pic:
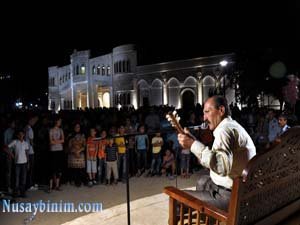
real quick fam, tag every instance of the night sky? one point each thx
(37, 39)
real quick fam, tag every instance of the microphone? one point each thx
(202, 126)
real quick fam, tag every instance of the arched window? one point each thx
(115, 68)
(209, 85)
(98, 70)
(103, 70)
(108, 70)
(94, 70)
(77, 70)
(69, 75)
(82, 69)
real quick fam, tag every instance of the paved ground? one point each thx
(146, 201)
(109, 196)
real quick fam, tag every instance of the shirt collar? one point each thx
(225, 120)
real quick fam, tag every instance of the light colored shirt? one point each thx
(284, 129)
(55, 135)
(19, 148)
(230, 152)
(156, 140)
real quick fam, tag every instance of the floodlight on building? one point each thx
(223, 63)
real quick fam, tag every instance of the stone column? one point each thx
(74, 97)
(62, 103)
(165, 92)
(88, 95)
(135, 94)
(200, 88)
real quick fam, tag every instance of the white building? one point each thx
(115, 79)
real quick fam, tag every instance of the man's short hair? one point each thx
(283, 116)
(221, 101)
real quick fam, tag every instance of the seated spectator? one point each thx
(168, 165)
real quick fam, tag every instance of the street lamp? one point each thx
(223, 63)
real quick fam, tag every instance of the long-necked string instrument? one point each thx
(174, 119)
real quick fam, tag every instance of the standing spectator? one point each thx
(141, 146)
(20, 150)
(120, 142)
(101, 156)
(111, 161)
(57, 138)
(157, 143)
(29, 136)
(76, 159)
(92, 147)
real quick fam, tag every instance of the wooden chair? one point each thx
(266, 193)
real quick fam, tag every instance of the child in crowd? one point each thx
(157, 143)
(168, 165)
(21, 150)
(121, 144)
(101, 156)
(111, 151)
(141, 147)
(91, 157)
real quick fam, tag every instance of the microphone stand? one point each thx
(127, 187)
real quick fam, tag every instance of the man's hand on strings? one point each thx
(186, 140)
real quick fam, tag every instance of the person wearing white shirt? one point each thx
(29, 136)
(20, 149)
(231, 150)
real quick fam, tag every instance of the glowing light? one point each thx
(223, 63)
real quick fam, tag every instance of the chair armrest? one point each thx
(196, 203)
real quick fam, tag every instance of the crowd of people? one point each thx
(95, 146)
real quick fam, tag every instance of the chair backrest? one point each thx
(270, 181)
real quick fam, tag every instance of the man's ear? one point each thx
(222, 110)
